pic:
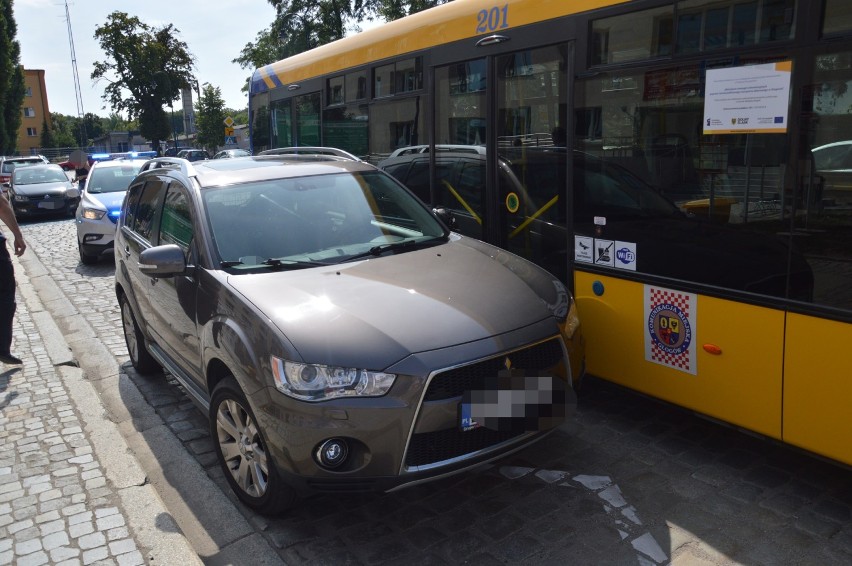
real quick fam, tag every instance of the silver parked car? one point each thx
(231, 153)
(40, 189)
(100, 204)
(337, 334)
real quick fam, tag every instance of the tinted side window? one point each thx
(471, 183)
(176, 223)
(128, 209)
(149, 202)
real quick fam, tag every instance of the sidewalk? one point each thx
(71, 491)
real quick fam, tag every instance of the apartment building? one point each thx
(35, 111)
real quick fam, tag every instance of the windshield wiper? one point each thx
(272, 262)
(280, 262)
(406, 245)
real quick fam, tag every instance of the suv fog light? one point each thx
(332, 453)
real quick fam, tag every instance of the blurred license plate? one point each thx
(515, 404)
(49, 204)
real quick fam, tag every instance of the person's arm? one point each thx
(7, 215)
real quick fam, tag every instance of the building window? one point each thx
(29, 112)
(32, 132)
(29, 91)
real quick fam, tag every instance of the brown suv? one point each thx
(337, 334)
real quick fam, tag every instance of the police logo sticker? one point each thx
(670, 328)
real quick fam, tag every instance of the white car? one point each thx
(100, 206)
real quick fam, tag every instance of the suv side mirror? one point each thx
(162, 261)
(446, 217)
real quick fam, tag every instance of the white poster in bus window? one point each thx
(583, 249)
(747, 100)
(670, 328)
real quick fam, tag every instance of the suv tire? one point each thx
(242, 452)
(141, 359)
(87, 259)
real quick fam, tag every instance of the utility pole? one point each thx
(77, 92)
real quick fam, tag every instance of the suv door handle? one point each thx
(126, 251)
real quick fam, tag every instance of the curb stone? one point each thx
(151, 524)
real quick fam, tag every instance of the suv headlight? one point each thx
(310, 382)
(93, 213)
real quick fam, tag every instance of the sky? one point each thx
(215, 32)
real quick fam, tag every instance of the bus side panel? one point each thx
(741, 385)
(818, 386)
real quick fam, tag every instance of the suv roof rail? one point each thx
(183, 165)
(310, 150)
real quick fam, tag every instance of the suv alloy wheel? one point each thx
(242, 451)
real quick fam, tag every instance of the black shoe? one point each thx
(10, 359)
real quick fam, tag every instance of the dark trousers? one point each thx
(7, 298)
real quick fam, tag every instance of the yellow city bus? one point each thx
(684, 166)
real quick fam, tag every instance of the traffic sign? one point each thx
(229, 121)
(230, 140)
(229, 131)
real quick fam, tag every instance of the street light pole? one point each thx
(174, 133)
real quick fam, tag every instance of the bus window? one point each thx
(307, 119)
(282, 124)
(823, 227)
(531, 107)
(395, 123)
(346, 127)
(733, 184)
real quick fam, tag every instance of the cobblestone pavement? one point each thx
(629, 481)
(55, 504)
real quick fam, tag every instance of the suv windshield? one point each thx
(112, 179)
(322, 219)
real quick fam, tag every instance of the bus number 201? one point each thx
(493, 19)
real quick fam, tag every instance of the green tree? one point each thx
(12, 88)
(301, 25)
(89, 128)
(239, 116)
(63, 129)
(390, 10)
(115, 123)
(47, 139)
(210, 118)
(151, 64)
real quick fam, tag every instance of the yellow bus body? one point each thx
(778, 373)
(437, 26)
(818, 386)
(742, 385)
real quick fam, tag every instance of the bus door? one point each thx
(531, 112)
(295, 121)
(817, 370)
(461, 130)
(679, 250)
